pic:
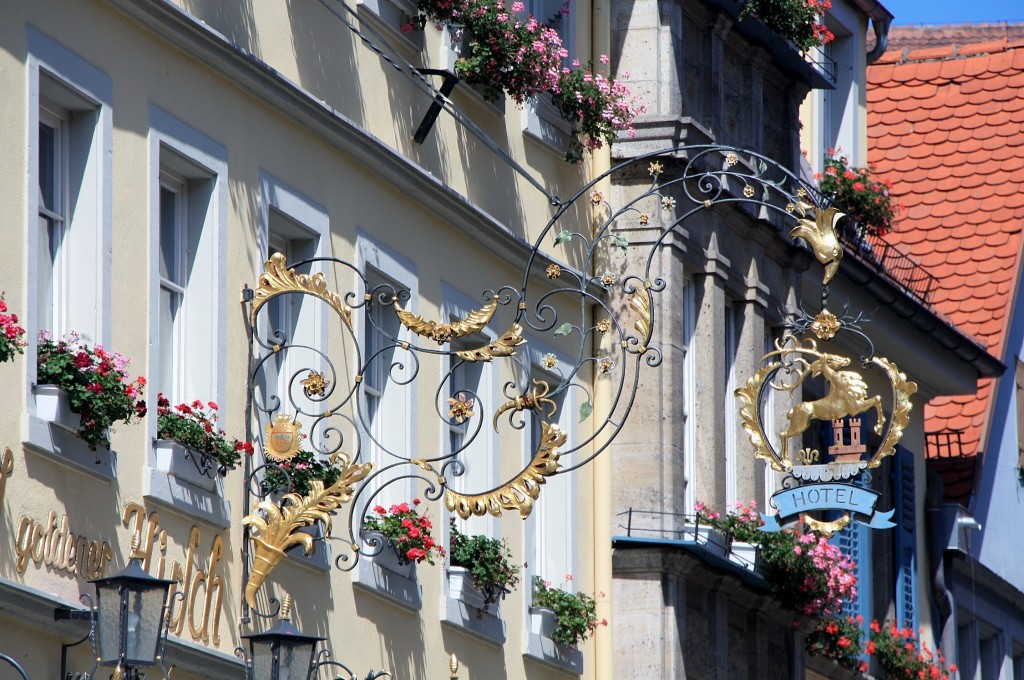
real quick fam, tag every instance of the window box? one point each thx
(464, 609)
(191, 467)
(381, 575)
(52, 406)
(710, 538)
(542, 648)
(745, 555)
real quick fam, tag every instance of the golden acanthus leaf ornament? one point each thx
(278, 279)
(505, 346)
(445, 332)
(274, 528)
(641, 305)
(520, 493)
(534, 400)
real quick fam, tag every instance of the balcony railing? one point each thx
(889, 260)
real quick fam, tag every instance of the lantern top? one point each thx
(283, 630)
(133, 572)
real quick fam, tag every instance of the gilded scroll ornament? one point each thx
(275, 528)
(820, 235)
(520, 493)
(505, 346)
(278, 279)
(445, 332)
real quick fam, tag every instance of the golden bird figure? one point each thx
(821, 236)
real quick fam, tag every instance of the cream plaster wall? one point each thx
(322, 56)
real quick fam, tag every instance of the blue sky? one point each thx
(954, 11)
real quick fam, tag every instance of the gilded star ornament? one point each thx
(553, 271)
(604, 325)
(748, 191)
(605, 365)
(655, 168)
(667, 203)
(549, 361)
(645, 219)
(596, 197)
(732, 159)
(461, 408)
(608, 279)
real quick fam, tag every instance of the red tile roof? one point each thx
(946, 125)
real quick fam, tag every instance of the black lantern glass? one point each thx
(130, 616)
(282, 653)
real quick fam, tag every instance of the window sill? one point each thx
(63, 446)
(463, 612)
(545, 126)
(541, 648)
(387, 16)
(382, 577)
(51, 429)
(176, 483)
(320, 559)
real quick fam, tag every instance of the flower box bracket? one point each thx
(447, 87)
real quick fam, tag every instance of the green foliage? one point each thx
(195, 426)
(796, 20)
(488, 562)
(302, 468)
(407, 530)
(576, 612)
(98, 388)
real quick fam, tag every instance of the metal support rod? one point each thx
(16, 665)
(450, 81)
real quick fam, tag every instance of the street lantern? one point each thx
(131, 608)
(283, 652)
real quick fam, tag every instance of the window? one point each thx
(551, 527)
(543, 122)
(689, 397)
(474, 439)
(69, 143)
(188, 213)
(731, 340)
(386, 434)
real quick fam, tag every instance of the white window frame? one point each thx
(731, 355)
(60, 84)
(541, 120)
(690, 402)
(312, 220)
(174, 284)
(482, 466)
(560, 490)
(373, 256)
(179, 152)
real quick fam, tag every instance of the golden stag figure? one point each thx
(847, 396)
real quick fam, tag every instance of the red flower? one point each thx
(82, 360)
(95, 388)
(379, 510)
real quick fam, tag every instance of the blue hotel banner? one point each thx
(791, 503)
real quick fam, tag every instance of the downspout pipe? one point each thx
(881, 20)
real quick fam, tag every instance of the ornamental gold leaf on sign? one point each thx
(519, 493)
(820, 234)
(641, 304)
(278, 279)
(444, 332)
(275, 528)
(505, 346)
(535, 400)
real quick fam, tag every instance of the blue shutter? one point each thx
(855, 541)
(906, 554)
